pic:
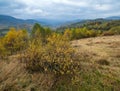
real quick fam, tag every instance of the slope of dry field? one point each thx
(101, 51)
(100, 69)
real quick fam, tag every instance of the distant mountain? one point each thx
(113, 18)
(53, 22)
(84, 21)
(11, 21)
(6, 20)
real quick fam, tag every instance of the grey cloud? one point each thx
(61, 9)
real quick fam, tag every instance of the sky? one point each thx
(60, 9)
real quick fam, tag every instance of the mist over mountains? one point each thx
(8, 21)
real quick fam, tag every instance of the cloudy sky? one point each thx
(60, 9)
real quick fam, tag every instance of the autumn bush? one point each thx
(15, 40)
(57, 56)
(115, 30)
(78, 33)
(3, 51)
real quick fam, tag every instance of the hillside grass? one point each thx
(99, 70)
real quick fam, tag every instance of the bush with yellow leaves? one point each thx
(15, 40)
(3, 51)
(57, 56)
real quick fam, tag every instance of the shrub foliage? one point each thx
(56, 56)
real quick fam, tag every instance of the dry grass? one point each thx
(14, 77)
(105, 49)
(100, 64)
(100, 46)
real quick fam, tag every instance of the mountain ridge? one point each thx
(9, 20)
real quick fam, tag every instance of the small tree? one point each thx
(68, 34)
(48, 32)
(38, 32)
(21, 41)
(10, 39)
(15, 40)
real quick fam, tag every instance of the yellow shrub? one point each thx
(57, 56)
(3, 50)
(15, 40)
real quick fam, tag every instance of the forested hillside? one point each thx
(98, 24)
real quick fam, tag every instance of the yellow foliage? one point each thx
(15, 40)
(11, 36)
(56, 56)
(78, 33)
(2, 50)
(68, 34)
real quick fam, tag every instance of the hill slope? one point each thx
(97, 24)
(100, 69)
